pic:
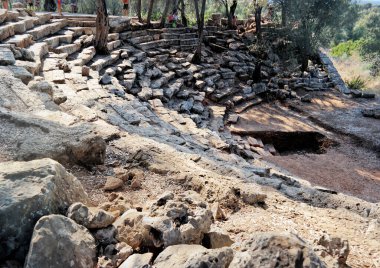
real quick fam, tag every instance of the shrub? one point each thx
(356, 83)
(346, 48)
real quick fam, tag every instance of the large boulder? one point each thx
(59, 242)
(171, 220)
(24, 137)
(30, 190)
(270, 250)
(193, 256)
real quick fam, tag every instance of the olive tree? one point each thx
(200, 15)
(310, 23)
(102, 27)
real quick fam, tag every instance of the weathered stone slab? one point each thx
(6, 56)
(30, 190)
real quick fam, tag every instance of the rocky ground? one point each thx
(142, 158)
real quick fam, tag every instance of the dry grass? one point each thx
(353, 66)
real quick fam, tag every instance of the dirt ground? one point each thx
(352, 166)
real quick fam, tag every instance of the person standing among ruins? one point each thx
(125, 8)
(59, 7)
(5, 4)
(30, 4)
(74, 6)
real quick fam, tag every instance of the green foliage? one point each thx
(356, 83)
(365, 38)
(346, 48)
(310, 23)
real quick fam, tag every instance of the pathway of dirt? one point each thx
(348, 167)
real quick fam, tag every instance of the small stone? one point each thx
(217, 239)
(113, 183)
(306, 98)
(106, 79)
(217, 212)
(85, 71)
(137, 261)
(136, 184)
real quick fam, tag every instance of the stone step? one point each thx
(188, 47)
(176, 30)
(6, 31)
(132, 34)
(153, 44)
(39, 50)
(74, 16)
(33, 67)
(20, 40)
(78, 31)
(56, 40)
(81, 23)
(188, 35)
(85, 56)
(140, 39)
(189, 42)
(99, 62)
(43, 18)
(6, 56)
(168, 36)
(19, 72)
(69, 49)
(113, 44)
(47, 29)
(20, 27)
(113, 37)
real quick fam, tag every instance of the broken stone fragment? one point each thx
(137, 261)
(89, 217)
(335, 247)
(217, 239)
(113, 183)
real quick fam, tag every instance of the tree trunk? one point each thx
(50, 5)
(183, 13)
(102, 27)
(232, 15)
(150, 10)
(258, 20)
(197, 58)
(228, 15)
(283, 15)
(256, 75)
(285, 7)
(138, 9)
(164, 13)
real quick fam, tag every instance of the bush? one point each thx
(356, 83)
(346, 48)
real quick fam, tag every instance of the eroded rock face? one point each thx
(30, 190)
(23, 137)
(336, 248)
(59, 242)
(171, 220)
(194, 256)
(89, 217)
(275, 250)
